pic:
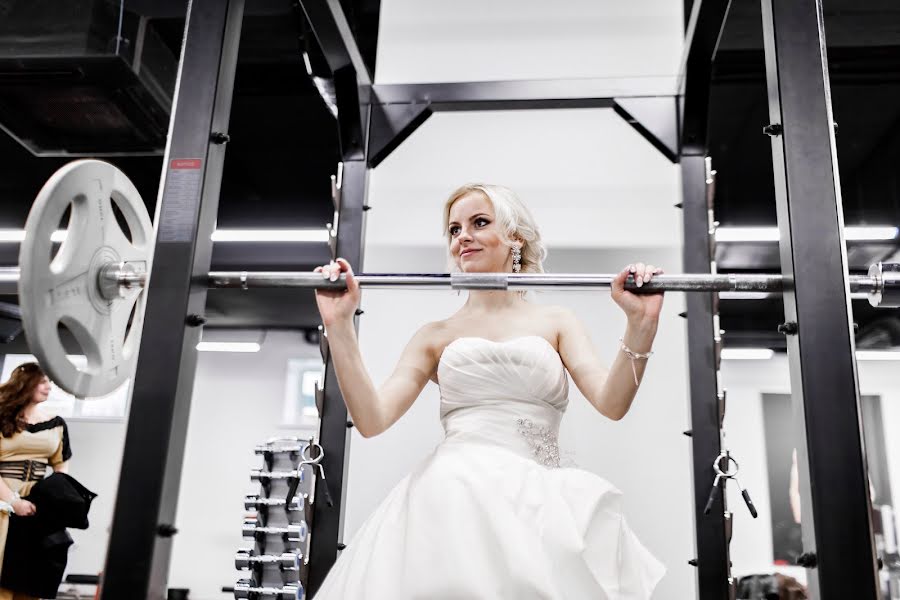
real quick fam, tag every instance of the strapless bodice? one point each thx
(510, 393)
(483, 502)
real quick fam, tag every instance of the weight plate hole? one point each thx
(58, 238)
(75, 352)
(130, 321)
(120, 219)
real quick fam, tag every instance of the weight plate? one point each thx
(65, 289)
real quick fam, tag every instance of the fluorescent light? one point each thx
(877, 355)
(228, 347)
(270, 235)
(746, 295)
(747, 353)
(858, 233)
(747, 234)
(766, 353)
(17, 236)
(12, 235)
(855, 233)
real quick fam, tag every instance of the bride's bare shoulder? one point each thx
(435, 336)
(558, 318)
(436, 333)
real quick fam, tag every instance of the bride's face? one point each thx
(475, 242)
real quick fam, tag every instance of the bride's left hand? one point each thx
(638, 307)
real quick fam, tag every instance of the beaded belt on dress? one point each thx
(543, 441)
(25, 470)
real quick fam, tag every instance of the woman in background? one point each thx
(30, 441)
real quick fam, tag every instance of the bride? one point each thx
(490, 514)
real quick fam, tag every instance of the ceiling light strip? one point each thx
(854, 233)
(228, 347)
(767, 353)
(16, 236)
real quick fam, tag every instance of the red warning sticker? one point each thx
(185, 163)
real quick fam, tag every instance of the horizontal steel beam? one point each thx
(333, 32)
(646, 103)
(524, 94)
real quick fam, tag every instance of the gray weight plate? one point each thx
(65, 289)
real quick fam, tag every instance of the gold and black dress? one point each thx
(24, 460)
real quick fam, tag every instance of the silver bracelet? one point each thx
(634, 356)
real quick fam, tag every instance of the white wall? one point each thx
(746, 382)
(472, 40)
(585, 174)
(96, 459)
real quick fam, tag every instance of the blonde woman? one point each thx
(490, 514)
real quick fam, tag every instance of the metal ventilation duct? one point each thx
(83, 77)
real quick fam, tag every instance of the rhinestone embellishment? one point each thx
(544, 442)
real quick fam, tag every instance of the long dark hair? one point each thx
(15, 395)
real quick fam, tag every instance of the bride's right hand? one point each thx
(337, 305)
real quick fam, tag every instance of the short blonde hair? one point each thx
(513, 219)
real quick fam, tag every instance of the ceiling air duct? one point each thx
(83, 77)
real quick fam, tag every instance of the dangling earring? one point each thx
(517, 259)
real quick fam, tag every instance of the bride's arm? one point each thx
(373, 411)
(611, 391)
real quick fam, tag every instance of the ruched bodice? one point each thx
(510, 393)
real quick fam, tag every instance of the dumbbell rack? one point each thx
(277, 523)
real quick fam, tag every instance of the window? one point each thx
(303, 377)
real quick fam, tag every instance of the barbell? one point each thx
(93, 285)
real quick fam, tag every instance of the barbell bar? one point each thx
(881, 284)
(93, 283)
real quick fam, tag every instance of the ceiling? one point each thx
(284, 147)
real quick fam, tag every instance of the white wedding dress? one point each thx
(489, 514)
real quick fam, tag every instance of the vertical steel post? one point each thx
(334, 428)
(712, 547)
(137, 561)
(836, 512)
(704, 27)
